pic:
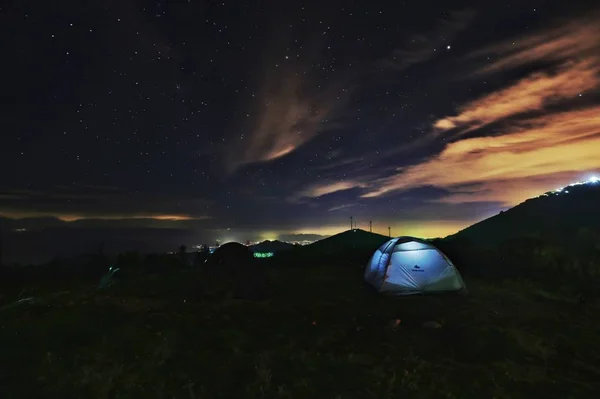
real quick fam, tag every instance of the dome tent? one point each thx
(231, 255)
(233, 267)
(408, 265)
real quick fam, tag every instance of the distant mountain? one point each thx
(271, 246)
(348, 240)
(349, 247)
(556, 215)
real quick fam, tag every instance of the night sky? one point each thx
(155, 123)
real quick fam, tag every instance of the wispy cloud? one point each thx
(340, 207)
(69, 217)
(571, 56)
(161, 217)
(544, 132)
(324, 188)
(298, 96)
(551, 144)
(572, 40)
(329, 188)
(532, 93)
(96, 203)
(424, 46)
(288, 118)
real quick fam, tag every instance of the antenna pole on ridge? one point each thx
(370, 226)
(351, 223)
(389, 232)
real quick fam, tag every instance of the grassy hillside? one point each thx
(554, 216)
(548, 238)
(322, 335)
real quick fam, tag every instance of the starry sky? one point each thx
(158, 123)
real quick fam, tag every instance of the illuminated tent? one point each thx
(408, 265)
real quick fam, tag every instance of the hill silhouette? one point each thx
(271, 246)
(354, 247)
(553, 216)
(349, 239)
(551, 237)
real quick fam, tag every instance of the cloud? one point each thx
(569, 41)
(298, 96)
(532, 93)
(340, 207)
(329, 188)
(293, 106)
(544, 134)
(422, 47)
(162, 217)
(510, 192)
(289, 115)
(538, 148)
(322, 189)
(70, 217)
(571, 55)
(77, 203)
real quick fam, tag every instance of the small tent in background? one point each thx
(233, 267)
(231, 254)
(408, 265)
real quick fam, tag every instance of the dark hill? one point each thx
(548, 237)
(271, 246)
(555, 215)
(349, 247)
(350, 239)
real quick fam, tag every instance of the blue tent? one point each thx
(408, 265)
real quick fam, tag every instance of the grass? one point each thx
(321, 335)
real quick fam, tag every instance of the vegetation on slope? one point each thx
(552, 217)
(320, 335)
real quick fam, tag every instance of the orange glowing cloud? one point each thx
(21, 214)
(530, 94)
(288, 115)
(329, 188)
(175, 218)
(567, 142)
(511, 192)
(326, 188)
(542, 137)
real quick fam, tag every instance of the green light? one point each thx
(263, 254)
